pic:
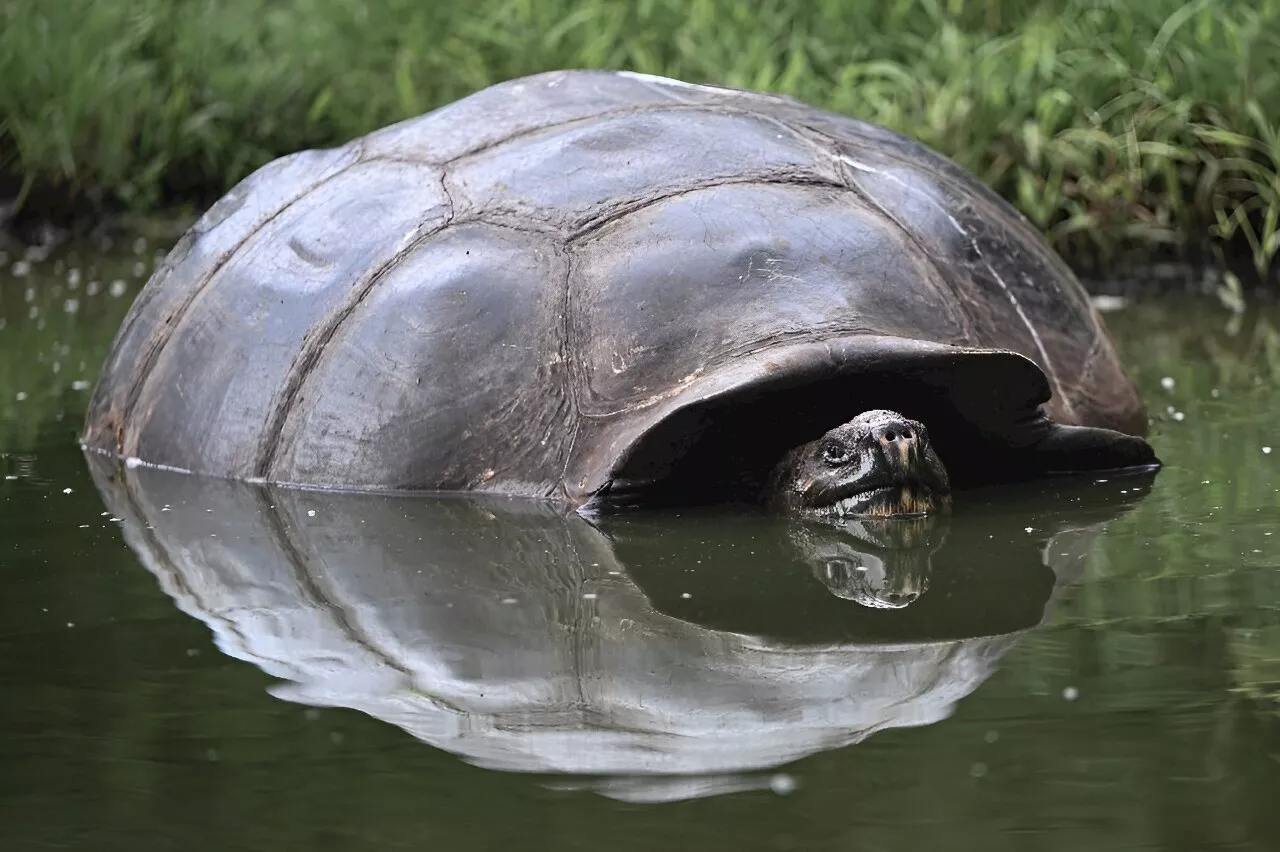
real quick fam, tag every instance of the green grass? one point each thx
(1112, 124)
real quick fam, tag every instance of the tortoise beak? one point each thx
(902, 500)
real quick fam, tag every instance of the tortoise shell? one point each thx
(583, 282)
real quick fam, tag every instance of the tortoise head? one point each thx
(880, 463)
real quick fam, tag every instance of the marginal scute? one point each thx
(213, 240)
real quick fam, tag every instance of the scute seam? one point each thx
(573, 369)
(146, 366)
(588, 226)
(1049, 368)
(314, 344)
(644, 109)
(911, 237)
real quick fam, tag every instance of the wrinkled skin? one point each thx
(879, 464)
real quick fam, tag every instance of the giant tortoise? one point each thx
(616, 290)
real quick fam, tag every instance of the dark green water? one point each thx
(194, 665)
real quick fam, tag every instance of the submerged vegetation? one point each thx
(1110, 124)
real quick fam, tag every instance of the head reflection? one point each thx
(647, 658)
(880, 563)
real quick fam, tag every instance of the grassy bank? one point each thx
(1110, 123)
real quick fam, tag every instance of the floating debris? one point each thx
(783, 784)
(1107, 303)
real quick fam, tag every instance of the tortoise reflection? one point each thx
(649, 657)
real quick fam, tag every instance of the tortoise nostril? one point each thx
(893, 432)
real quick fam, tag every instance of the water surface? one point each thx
(202, 665)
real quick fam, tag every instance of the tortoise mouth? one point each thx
(901, 499)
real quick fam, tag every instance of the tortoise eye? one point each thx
(835, 454)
